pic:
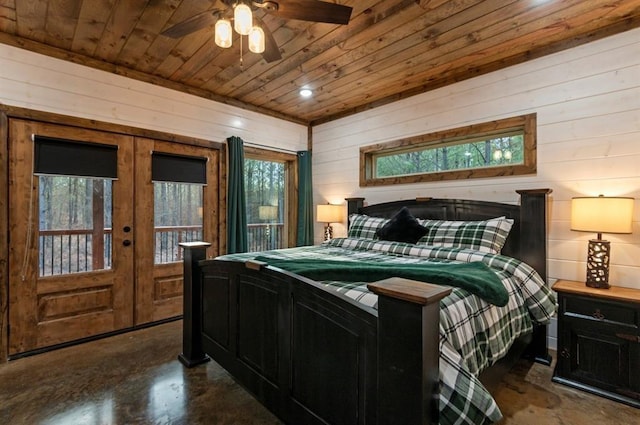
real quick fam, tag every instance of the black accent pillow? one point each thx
(403, 227)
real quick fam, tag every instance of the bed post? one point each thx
(192, 352)
(354, 205)
(533, 248)
(408, 341)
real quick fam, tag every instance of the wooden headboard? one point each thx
(527, 240)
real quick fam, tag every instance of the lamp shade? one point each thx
(256, 40)
(267, 212)
(329, 213)
(223, 36)
(602, 214)
(242, 19)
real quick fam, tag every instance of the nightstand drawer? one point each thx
(601, 310)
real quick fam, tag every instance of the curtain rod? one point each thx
(273, 148)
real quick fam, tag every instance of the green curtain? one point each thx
(305, 200)
(236, 200)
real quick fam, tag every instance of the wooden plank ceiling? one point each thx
(391, 49)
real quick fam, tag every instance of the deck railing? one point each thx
(72, 251)
(263, 237)
(168, 238)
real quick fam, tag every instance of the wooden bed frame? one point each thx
(313, 356)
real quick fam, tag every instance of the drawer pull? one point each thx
(565, 353)
(628, 337)
(598, 314)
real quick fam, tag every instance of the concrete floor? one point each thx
(528, 397)
(134, 378)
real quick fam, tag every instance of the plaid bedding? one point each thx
(473, 333)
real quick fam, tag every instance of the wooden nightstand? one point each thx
(599, 340)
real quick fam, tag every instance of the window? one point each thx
(177, 218)
(497, 148)
(74, 233)
(75, 205)
(178, 185)
(269, 195)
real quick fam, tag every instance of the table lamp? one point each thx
(329, 213)
(268, 213)
(600, 214)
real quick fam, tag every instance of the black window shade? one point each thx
(74, 158)
(178, 168)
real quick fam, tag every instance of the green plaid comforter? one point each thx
(473, 333)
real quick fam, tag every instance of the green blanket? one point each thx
(475, 277)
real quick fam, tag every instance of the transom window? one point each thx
(497, 148)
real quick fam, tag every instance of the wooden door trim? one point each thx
(4, 237)
(83, 123)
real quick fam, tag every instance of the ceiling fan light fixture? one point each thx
(236, 16)
(256, 40)
(223, 33)
(242, 19)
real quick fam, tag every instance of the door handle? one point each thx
(126, 242)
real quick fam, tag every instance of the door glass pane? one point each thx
(177, 218)
(265, 192)
(74, 233)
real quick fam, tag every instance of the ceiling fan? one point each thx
(304, 10)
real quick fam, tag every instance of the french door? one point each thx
(176, 201)
(87, 255)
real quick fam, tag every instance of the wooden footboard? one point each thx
(310, 355)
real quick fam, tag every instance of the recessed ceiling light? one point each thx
(305, 92)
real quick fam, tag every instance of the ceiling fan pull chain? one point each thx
(241, 62)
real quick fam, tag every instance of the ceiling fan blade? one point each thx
(313, 10)
(193, 24)
(271, 50)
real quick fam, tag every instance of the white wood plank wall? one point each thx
(42, 83)
(587, 100)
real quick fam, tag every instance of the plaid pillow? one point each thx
(485, 236)
(364, 226)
